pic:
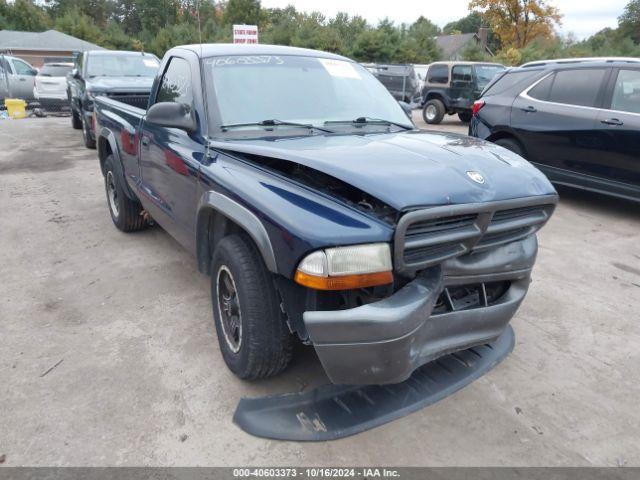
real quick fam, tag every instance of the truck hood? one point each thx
(120, 84)
(409, 169)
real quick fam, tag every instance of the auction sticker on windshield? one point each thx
(339, 68)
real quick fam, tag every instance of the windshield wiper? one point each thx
(370, 121)
(274, 123)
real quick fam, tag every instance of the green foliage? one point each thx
(629, 21)
(157, 25)
(474, 53)
(242, 12)
(469, 24)
(607, 42)
(168, 37)
(24, 15)
(77, 24)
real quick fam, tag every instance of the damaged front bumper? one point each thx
(385, 341)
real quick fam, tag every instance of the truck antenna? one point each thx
(199, 27)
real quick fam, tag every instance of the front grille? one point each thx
(430, 236)
(514, 224)
(440, 224)
(465, 297)
(135, 100)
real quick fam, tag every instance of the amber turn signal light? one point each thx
(344, 282)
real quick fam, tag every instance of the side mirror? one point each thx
(172, 115)
(75, 74)
(406, 107)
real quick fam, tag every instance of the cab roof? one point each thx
(205, 50)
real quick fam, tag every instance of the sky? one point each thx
(583, 18)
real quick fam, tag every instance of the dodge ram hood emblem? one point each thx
(475, 176)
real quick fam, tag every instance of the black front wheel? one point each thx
(89, 142)
(254, 338)
(465, 117)
(76, 121)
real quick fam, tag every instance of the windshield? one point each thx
(485, 73)
(118, 65)
(48, 70)
(298, 89)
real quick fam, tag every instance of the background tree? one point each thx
(25, 15)
(525, 26)
(418, 43)
(242, 12)
(471, 24)
(77, 24)
(474, 53)
(519, 22)
(629, 21)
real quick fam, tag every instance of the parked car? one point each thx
(127, 76)
(16, 78)
(50, 89)
(401, 81)
(577, 120)
(328, 217)
(452, 87)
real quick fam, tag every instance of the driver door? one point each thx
(23, 79)
(170, 158)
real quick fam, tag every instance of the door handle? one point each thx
(145, 141)
(529, 109)
(612, 121)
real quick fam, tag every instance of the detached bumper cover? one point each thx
(331, 412)
(384, 342)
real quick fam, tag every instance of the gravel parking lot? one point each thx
(109, 355)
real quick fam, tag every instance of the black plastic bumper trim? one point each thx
(331, 412)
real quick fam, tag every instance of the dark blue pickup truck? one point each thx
(321, 213)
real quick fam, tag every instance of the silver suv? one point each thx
(17, 78)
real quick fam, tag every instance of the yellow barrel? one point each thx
(15, 107)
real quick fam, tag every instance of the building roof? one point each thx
(49, 41)
(451, 44)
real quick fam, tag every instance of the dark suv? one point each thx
(127, 76)
(401, 81)
(452, 87)
(577, 120)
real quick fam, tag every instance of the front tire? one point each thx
(127, 215)
(433, 111)
(76, 122)
(510, 144)
(86, 134)
(465, 117)
(254, 339)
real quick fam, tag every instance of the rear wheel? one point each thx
(76, 122)
(127, 214)
(433, 111)
(254, 338)
(464, 117)
(510, 144)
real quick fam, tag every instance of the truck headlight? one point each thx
(346, 268)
